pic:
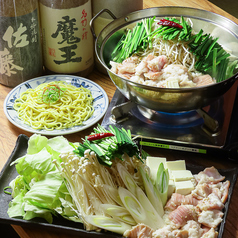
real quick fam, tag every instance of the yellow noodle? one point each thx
(74, 106)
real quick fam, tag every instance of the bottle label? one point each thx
(67, 39)
(20, 48)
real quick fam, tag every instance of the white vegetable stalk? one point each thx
(108, 223)
(152, 192)
(162, 183)
(155, 219)
(140, 209)
(118, 213)
(113, 193)
(127, 178)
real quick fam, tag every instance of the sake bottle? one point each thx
(67, 39)
(20, 42)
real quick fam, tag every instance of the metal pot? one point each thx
(165, 99)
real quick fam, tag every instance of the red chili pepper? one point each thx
(99, 136)
(165, 22)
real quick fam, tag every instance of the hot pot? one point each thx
(166, 99)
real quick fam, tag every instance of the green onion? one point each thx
(109, 148)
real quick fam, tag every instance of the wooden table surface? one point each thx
(9, 133)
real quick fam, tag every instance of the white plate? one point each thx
(100, 102)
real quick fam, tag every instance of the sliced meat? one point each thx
(210, 203)
(168, 232)
(209, 175)
(142, 68)
(114, 67)
(183, 214)
(213, 172)
(126, 68)
(210, 234)
(201, 191)
(132, 59)
(210, 218)
(157, 63)
(194, 229)
(179, 199)
(154, 76)
(139, 231)
(203, 80)
(225, 190)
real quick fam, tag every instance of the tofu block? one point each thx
(181, 175)
(184, 187)
(153, 163)
(171, 188)
(176, 165)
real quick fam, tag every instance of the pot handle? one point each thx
(96, 16)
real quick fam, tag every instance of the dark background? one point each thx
(230, 6)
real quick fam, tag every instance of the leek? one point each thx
(162, 183)
(145, 214)
(127, 178)
(119, 213)
(113, 193)
(108, 223)
(152, 192)
(156, 221)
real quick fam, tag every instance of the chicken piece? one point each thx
(221, 189)
(154, 76)
(225, 190)
(157, 63)
(149, 57)
(210, 218)
(177, 69)
(183, 214)
(126, 76)
(213, 172)
(179, 199)
(194, 229)
(210, 203)
(169, 232)
(137, 79)
(114, 67)
(139, 231)
(163, 232)
(132, 59)
(180, 234)
(209, 175)
(203, 80)
(210, 234)
(142, 68)
(126, 68)
(201, 191)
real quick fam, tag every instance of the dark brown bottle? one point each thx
(20, 42)
(67, 39)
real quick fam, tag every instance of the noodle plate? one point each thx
(72, 107)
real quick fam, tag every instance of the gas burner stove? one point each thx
(209, 130)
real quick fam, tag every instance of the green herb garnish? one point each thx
(51, 93)
(109, 148)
